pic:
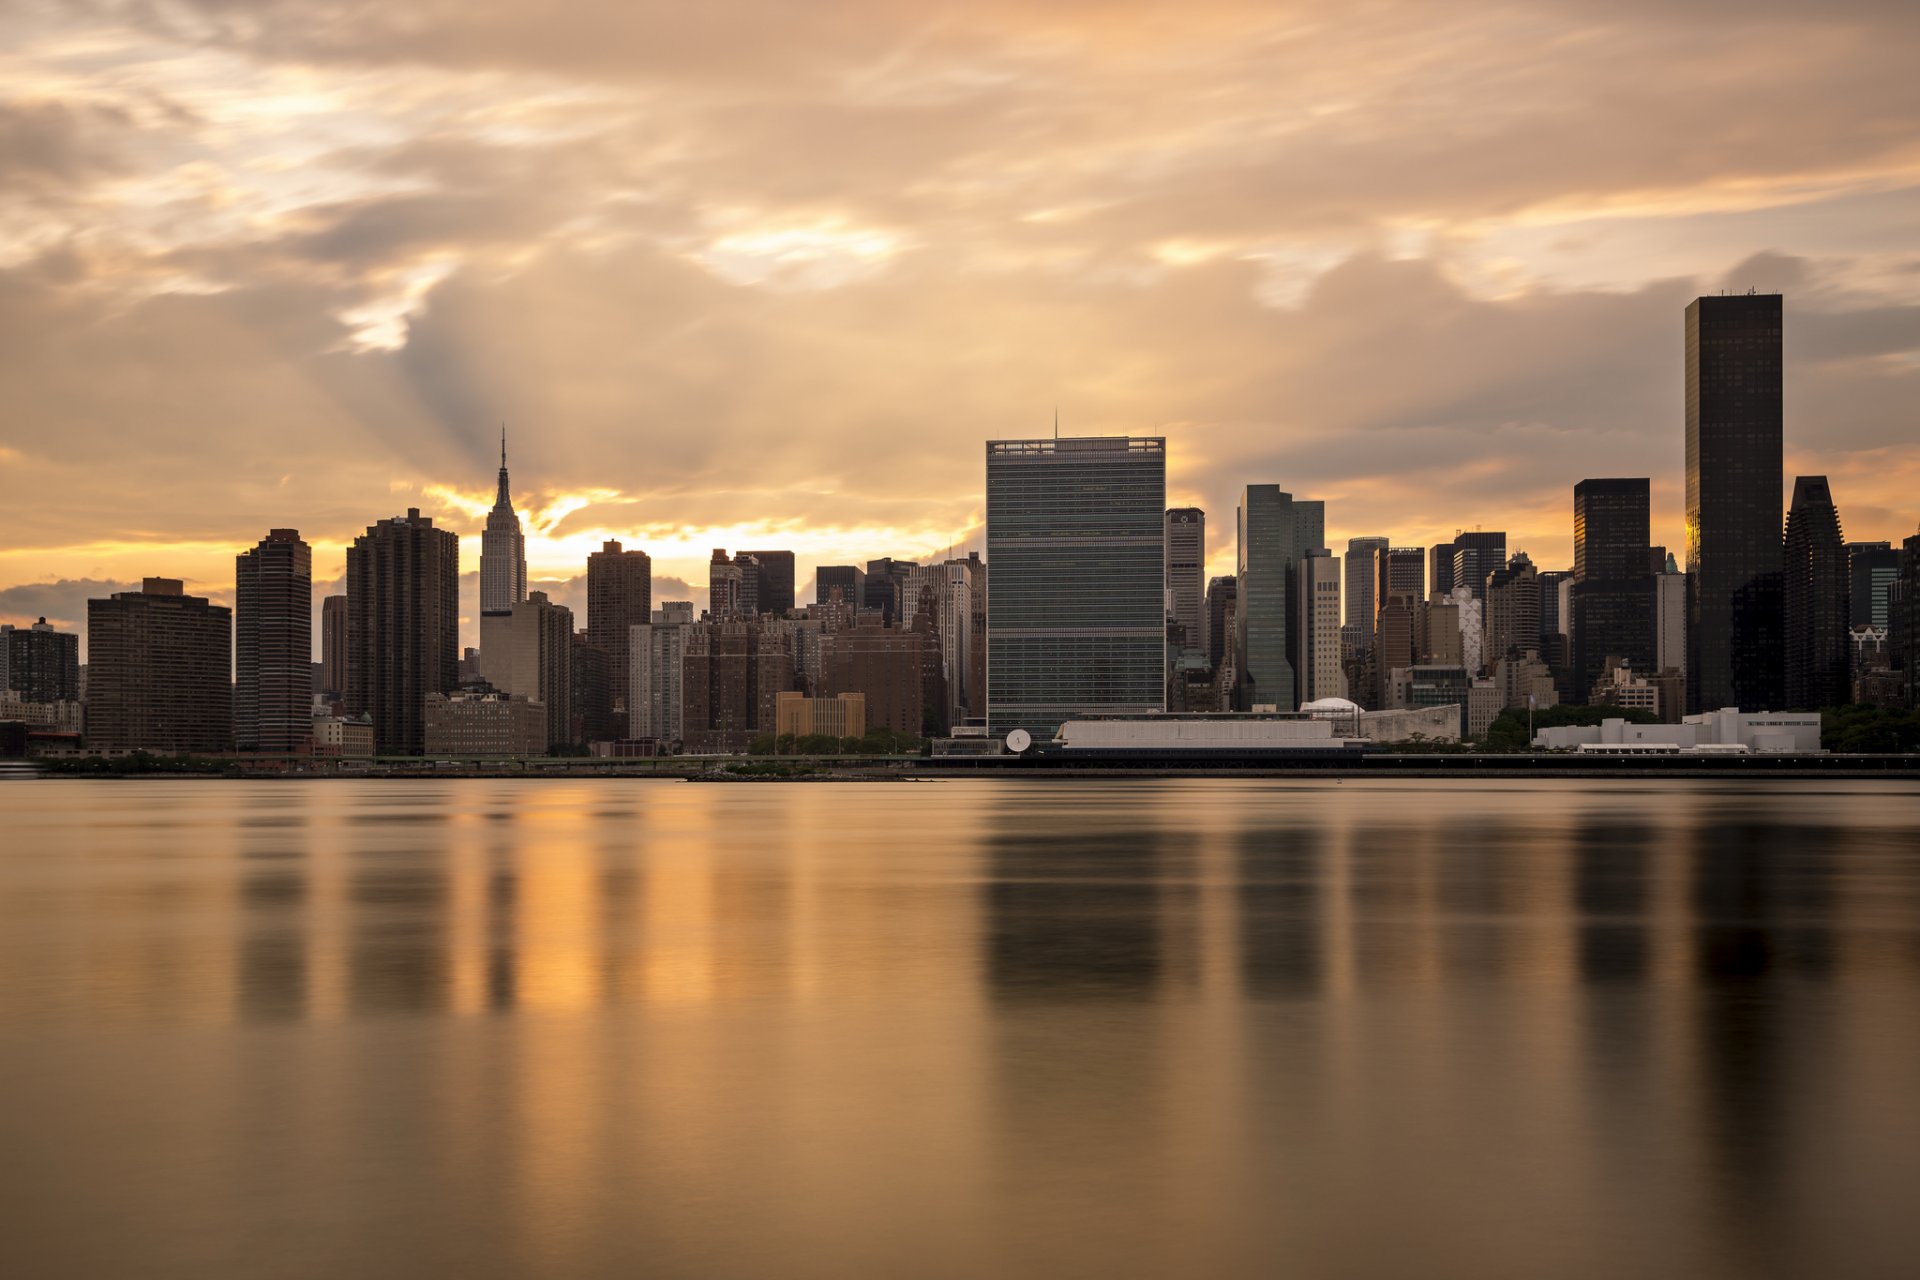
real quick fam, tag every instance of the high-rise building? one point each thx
(850, 579)
(333, 646)
(1814, 594)
(1275, 534)
(1872, 569)
(1221, 594)
(1734, 464)
(1475, 555)
(1670, 627)
(1077, 624)
(977, 640)
(1318, 611)
(884, 578)
(1613, 592)
(159, 671)
(538, 662)
(1511, 611)
(1186, 576)
(273, 645)
(885, 665)
(1440, 568)
(40, 663)
(1363, 583)
(1903, 624)
(619, 598)
(503, 551)
(403, 626)
(592, 692)
(774, 581)
(655, 709)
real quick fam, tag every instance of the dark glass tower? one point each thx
(1076, 623)
(1814, 591)
(1873, 568)
(1734, 473)
(273, 645)
(1275, 533)
(1613, 590)
(1475, 555)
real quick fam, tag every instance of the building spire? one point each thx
(501, 501)
(503, 446)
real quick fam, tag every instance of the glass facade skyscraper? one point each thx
(1734, 476)
(1275, 532)
(1814, 590)
(1076, 620)
(1613, 588)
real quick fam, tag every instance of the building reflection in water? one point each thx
(1159, 1025)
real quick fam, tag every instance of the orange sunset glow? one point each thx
(767, 275)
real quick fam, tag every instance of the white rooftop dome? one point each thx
(1329, 706)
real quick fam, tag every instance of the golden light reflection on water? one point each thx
(1034, 1028)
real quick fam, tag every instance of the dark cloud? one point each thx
(62, 603)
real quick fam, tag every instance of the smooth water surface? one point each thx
(974, 1028)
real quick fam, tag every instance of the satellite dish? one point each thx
(1019, 740)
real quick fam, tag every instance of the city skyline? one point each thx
(302, 281)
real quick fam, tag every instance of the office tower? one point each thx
(503, 581)
(1221, 594)
(1275, 533)
(403, 626)
(657, 650)
(1403, 571)
(884, 579)
(592, 692)
(333, 646)
(39, 663)
(885, 666)
(1396, 641)
(159, 671)
(503, 550)
(775, 581)
(1872, 569)
(1318, 610)
(1670, 627)
(1903, 619)
(1440, 568)
(1475, 555)
(1613, 594)
(537, 664)
(1555, 649)
(977, 641)
(1511, 611)
(273, 645)
(1441, 644)
(1078, 618)
(726, 587)
(1814, 597)
(850, 579)
(946, 590)
(619, 598)
(1363, 579)
(1186, 576)
(1734, 462)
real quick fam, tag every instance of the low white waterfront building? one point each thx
(1711, 733)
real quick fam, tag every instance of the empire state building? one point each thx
(503, 569)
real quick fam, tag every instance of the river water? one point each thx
(973, 1028)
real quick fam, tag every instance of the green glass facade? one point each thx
(1076, 610)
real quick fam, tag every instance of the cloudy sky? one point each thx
(768, 274)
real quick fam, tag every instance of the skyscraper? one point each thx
(503, 579)
(1186, 576)
(539, 666)
(1734, 462)
(774, 582)
(403, 626)
(273, 645)
(40, 663)
(1221, 595)
(159, 671)
(1814, 594)
(333, 646)
(619, 598)
(1872, 568)
(503, 550)
(1076, 623)
(1363, 579)
(1475, 555)
(1440, 568)
(850, 579)
(1275, 534)
(1510, 616)
(1318, 611)
(1613, 592)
